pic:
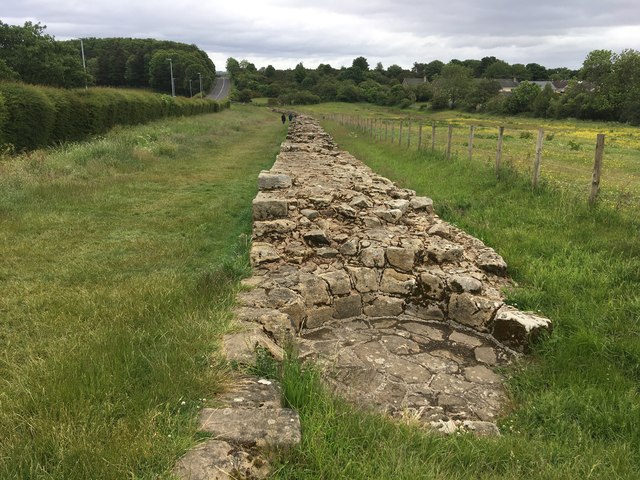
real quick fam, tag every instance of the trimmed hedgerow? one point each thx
(33, 117)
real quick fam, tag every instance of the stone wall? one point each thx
(332, 240)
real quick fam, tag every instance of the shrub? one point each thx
(30, 116)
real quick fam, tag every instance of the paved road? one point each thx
(220, 89)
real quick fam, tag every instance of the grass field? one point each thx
(567, 154)
(120, 258)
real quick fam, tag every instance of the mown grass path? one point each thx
(119, 261)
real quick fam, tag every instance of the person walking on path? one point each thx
(290, 116)
(283, 118)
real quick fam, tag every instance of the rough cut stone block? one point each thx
(218, 460)
(263, 253)
(372, 257)
(431, 285)
(421, 203)
(442, 251)
(461, 283)
(316, 317)
(365, 279)
(241, 347)
(278, 428)
(399, 204)
(314, 290)
(271, 181)
(384, 306)
(518, 329)
(401, 258)
(279, 227)
(316, 238)
(491, 262)
(252, 392)
(347, 307)
(266, 207)
(389, 215)
(471, 310)
(339, 282)
(396, 282)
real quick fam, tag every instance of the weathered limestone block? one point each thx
(350, 306)
(372, 257)
(314, 290)
(346, 211)
(297, 312)
(472, 311)
(491, 262)
(443, 251)
(384, 306)
(360, 201)
(365, 279)
(316, 317)
(267, 207)
(339, 282)
(398, 204)
(218, 460)
(350, 247)
(518, 329)
(371, 222)
(388, 215)
(431, 286)
(278, 227)
(316, 238)
(310, 213)
(401, 258)
(256, 297)
(280, 296)
(429, 311)
(263, 253)
(278, 428)
(463, 283)
(422, 204)
(327, 252)
(395, 282)
(240, 347)
(272, 181)
(440, 229)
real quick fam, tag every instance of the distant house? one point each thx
(507, 84)
(414, 82)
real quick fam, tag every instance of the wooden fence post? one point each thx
(386, 131)
(400, 134)
(597, 168)
(449, 138)
(538, 160)
(420, 136)
(393, 132)
(471, 132)
(433, 136)
(371, 127)
(499, 149)
(409, 134)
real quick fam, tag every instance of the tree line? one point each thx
(30, 55)
(606, 87)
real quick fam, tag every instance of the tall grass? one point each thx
(120, 259)
(575, 403)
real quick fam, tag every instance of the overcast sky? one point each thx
(553, 33)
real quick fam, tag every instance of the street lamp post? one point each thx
(173, 86)
(84, 65)
(200, 75)
(190, 89)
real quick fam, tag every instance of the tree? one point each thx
(233, 67)
(361, 63)
(452, 83)
(270, 71)
(522, 97)
(538, 72)
(520, 72)
(498, 69)
(432, 69)
(299, 73)
(597, 67)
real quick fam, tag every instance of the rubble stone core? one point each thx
(404, 310)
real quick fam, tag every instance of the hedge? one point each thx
(35, 116)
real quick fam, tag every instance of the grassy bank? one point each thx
(119, 260)
(575, 402)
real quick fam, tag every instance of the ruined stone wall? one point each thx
(332, 240)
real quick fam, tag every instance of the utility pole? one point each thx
(190, 89)
(84, 65)
(173, 86)
(200, 75)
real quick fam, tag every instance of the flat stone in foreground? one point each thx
(279, 428)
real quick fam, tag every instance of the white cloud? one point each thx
(285, 32)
